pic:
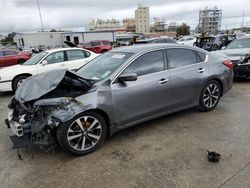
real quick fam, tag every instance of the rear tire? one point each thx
(18, 81)
(210, 96)
(82, 134)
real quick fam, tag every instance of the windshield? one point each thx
(104, 65)
(36, 59)
(238, 44)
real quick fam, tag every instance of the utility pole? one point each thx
(38, 6)
(243, 21)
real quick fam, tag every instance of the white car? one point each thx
(187, 41)
(64, 58)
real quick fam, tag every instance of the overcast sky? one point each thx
(23, 16)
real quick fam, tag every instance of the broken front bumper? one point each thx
(19, 139)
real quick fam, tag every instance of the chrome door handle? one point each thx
(201, 70)
(162, 81)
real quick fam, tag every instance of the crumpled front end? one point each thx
(36, 112)
(36, 123)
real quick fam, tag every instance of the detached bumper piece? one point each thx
(20, 142)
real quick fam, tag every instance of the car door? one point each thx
(148, 95)
(76, 58)
(188, 72)
(9, 58)
(55, 60)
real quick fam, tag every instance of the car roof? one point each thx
(62, 49)
(138, 48)
(3, 50)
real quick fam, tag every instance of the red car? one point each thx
(12, 57)
(98, 46)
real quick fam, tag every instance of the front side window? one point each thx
(146, 64)
(181, 57)
(95, 43)
(55, 57)
(75, 54)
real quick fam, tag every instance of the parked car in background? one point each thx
(116, 90)
(12, 57)
(214, 42)
(156, 40)
(238, 52)
(66, 58)
(98, 46)
(187, 40)
(27, 50)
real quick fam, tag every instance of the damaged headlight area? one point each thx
(35, 122)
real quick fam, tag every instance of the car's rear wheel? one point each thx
(82, 134)
(210, 96)
(18, 81)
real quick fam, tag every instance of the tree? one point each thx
(183, 29)
(9, 38)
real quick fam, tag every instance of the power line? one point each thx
(38, 5)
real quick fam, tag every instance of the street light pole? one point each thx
(40, 15)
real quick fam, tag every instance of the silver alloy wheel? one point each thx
(211, 95)
(20, 82)
(84, 133)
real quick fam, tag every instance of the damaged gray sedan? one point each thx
(118, 89)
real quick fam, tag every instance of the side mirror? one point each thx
(128, 77)
(44, 62)
(223, 48)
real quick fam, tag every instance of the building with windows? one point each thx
(104, 25)
(142, 19)
(210, 20)
(129, 24)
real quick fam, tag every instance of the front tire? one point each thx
(82, 134)
(18, 81)
(210, 96)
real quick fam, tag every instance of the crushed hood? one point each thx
(37, 86)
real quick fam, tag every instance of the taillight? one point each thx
(229, 64)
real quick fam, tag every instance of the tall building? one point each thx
(142, 19)
(210, 20)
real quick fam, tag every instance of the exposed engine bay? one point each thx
(37, 109)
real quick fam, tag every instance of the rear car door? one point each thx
(76, 59)
(148, 95)
(55, 60)
(188, 72)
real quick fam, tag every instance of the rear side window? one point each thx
(106, 43)
(146, 64)
(181, 57)
(6, 53)
(75, 54)
(202, 56)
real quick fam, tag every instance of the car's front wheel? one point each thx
(210, 96)
(18, 81)
(82, 134)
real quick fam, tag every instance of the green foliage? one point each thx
(183, 29)
(9, 38)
